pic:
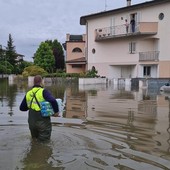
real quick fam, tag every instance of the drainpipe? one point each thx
(128, 2)
(87, 39)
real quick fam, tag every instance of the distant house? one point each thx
(130, 42)
(19, 57)
(75, 53)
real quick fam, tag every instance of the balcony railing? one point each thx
(149, 56)
(142, 28)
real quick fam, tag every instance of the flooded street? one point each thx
(103, 128)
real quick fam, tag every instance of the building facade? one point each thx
(130, 42)
(75, 53)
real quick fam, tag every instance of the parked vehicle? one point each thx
(165, 88)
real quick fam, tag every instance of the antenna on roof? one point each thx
(105, 4)
(128, 2)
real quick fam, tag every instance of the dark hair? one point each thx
(37, 80)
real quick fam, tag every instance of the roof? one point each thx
(83, 19)
(76, 38)
(81, 60)
(20, 55)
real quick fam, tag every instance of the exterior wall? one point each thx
(151, 15)
(164, 69)
(111, 54)
(83, 81)
(70, 69)
(70, 45)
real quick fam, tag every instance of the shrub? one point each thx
(33, 71)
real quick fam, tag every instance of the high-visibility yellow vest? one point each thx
(31, 101)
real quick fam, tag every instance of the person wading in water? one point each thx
(40, 127)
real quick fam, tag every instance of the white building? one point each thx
(140, 50)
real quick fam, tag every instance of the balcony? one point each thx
(149, 56)
(142, 28)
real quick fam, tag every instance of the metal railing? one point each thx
(123, 30)
(149, 56)
(115, 31)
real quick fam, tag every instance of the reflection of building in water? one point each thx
(163, 123)
(168, 129)
(130, 118)
(112, 106)
(75, 103)
(148, 107)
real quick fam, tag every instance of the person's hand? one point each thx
(56, 115)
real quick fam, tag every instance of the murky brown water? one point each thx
(103, 128)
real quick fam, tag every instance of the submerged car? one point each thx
(165, 88)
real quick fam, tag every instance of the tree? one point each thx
(33, 70)
(6, 67)
(2, 66)
(11, 55)
(44, 57)
(1, 53)
(22, 65)
(58, 53)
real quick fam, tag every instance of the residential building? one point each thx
(19, 58)
(130, 42)
(75, 53)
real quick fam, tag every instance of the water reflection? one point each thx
(168, 130)
(119, 128)
(8, 95)
(37, 156)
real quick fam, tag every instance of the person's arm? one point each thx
(48, 97)
(23, 105)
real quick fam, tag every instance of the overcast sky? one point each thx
(32, 21)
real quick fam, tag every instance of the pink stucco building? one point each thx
(75, 53)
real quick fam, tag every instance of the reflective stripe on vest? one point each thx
(39, 96)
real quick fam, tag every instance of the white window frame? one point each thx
(132, 47)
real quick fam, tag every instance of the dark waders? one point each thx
(40, 127)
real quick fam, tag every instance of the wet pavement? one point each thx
(103, 127)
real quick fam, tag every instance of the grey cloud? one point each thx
(32, 21)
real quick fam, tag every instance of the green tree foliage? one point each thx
(44, 57)
(2, 66)
(92, 73)
(2, 53)
(6, 67)
(11, 55)
(58, 54)
(22, 65)
(33, 70)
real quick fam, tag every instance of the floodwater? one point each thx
(103, 128)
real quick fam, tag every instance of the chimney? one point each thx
(128, 2)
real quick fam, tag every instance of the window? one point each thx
(161, 16)
(76, 66)
(76, 50)
(132, 47)
(147, 70)
(93, 51)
